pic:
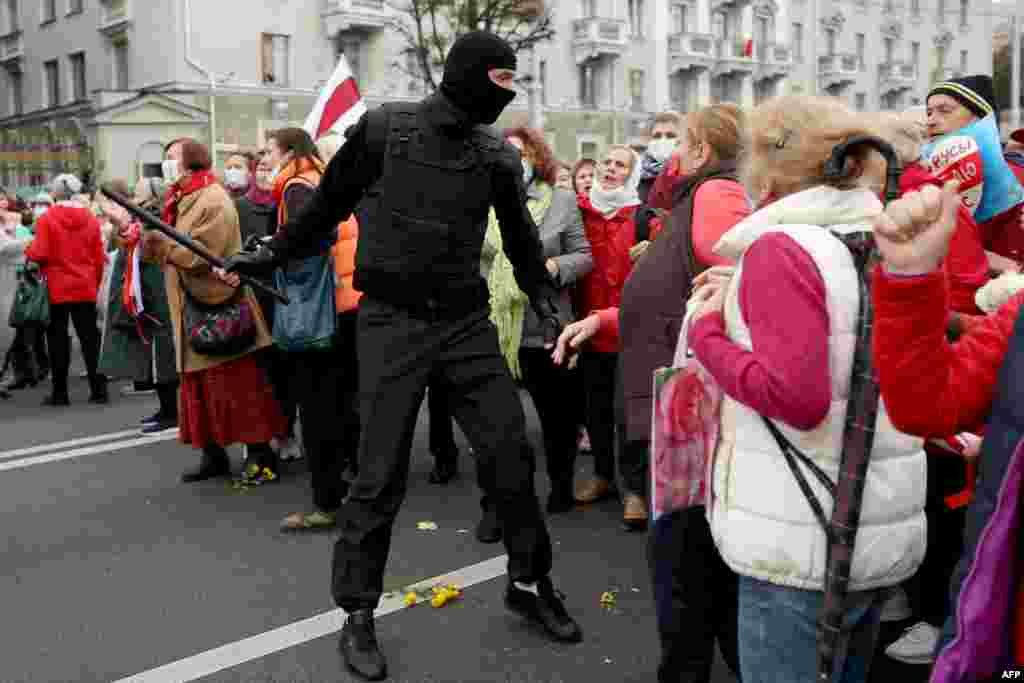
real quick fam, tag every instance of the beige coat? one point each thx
(208, 217)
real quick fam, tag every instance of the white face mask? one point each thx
(661, 149)
(527, 172)
(170, 170)
(39, 211)
(236, 177)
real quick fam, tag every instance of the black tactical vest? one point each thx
(424, 220)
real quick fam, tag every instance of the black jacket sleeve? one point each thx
(519, 237)
(351, 172)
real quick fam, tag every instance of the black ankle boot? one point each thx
(359, 646)
(98, 393)
(445, 470)
(213, 463)
(489, 528)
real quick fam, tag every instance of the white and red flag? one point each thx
(340, 105)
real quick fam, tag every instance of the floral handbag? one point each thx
(684, 432)
(225, 329)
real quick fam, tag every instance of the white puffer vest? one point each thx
(761, 521)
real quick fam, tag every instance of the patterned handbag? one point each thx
(225, 329)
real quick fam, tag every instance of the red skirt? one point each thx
(227, 404)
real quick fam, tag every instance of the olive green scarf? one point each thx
(508, 303)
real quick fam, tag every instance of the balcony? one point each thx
(12, 49)
(690, 51)
(594, 37)
(115, 16)
(775, 60)
(896, 76)
(731, 58)
(344, 15)
(726, 5)
(838, 69)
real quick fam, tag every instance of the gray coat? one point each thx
(563, 238)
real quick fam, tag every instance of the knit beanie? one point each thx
(466, 82)
(974, 92)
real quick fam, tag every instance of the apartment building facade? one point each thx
(99, 86)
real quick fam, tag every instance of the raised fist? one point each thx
(913, 232)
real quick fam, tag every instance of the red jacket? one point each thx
(966, 265)
(610, 241)
(69, 247)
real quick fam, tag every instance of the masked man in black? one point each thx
(425, 177)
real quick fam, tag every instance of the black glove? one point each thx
(260, 262)
(550, 325)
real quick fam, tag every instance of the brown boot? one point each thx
(593, 490)
(634, 513)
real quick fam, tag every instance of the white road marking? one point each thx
(60, 445)
(299, 632)
(169, 435)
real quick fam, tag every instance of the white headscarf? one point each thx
(610, 201)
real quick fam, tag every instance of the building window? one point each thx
(588, 81)
(51, 80)
(16, 84)
(798, 42)
(636, 18)
(718, 25)
(862, 101)
(542, 76)
(11, 23)
(636, 89)
(274, 59)
(122, 63)
(861, 40)
(588, 9)
(77, 62)
(915, 54)
(75, 7)
(941, 10)
(49, 11)
(963, 62)
(963, 12)
(830, 42)
(680, 18)
(915, 7)
(352, 45)
(887, 7)
(412, 66)
(890, 48)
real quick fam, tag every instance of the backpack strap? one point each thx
(390, 130)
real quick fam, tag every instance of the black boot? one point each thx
(544, 608)
(489, 528)
(98, 393)
(359, 646)
(57, 398)
(214, 463)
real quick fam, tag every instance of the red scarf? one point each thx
(185, 186)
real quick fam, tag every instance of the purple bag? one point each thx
(226, 329)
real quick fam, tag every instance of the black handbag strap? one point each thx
(794, 457)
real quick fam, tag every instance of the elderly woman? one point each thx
(224, 400)
(779, 336)
(140, 344)
(556, 392)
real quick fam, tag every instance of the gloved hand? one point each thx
(259, 262)
(550, 325)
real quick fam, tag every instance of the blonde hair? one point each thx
(626, 148)
(790, 138)
(719, 126)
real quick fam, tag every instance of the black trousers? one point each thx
(557, 394)
(696, 598)
(442, 428)
(599, 385)
(326, 385)
(282, 381)
(634, 464)
(28, 352)
(399, 355)
(928, 589)
(83, 316)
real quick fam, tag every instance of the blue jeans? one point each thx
(778, 633)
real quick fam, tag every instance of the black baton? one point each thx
(185, 241)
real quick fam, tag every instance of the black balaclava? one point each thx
(466, 82)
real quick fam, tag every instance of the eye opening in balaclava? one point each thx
(466, 81)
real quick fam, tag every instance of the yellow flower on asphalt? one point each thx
(608, 599)
(410, 599)
(445, 594)
(427, 526)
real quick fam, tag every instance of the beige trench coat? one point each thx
(208, 217)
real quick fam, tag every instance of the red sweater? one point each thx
(966, 265)
(69, 247)
(954, 384)
(610, 241)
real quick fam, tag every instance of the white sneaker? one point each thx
(896, 607)
(290, 450)
(916, 645)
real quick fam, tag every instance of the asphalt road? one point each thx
(112, 568)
